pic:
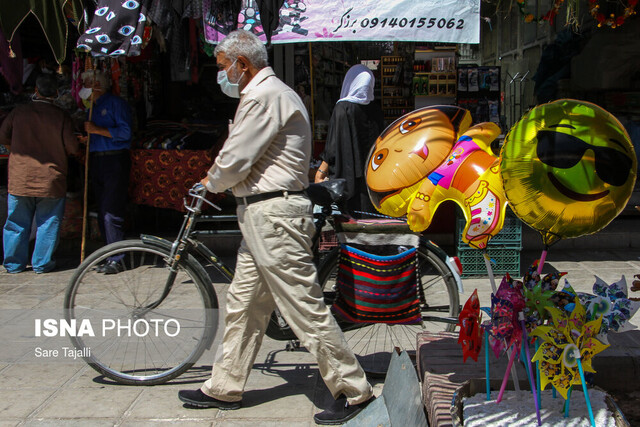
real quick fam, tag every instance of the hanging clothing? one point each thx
(358, 85)
(116, 28)
(269, 16)
(162, 14)
(11, 67)
(50, 15)
(188, 8)
(220, 17)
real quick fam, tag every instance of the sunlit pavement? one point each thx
(283, 389)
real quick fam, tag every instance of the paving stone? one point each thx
(109, 402)
(21, 402)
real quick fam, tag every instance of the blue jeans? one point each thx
(22, 210)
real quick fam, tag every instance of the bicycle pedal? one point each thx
(292, 345)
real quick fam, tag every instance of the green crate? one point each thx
(511, 233)
(505, 259)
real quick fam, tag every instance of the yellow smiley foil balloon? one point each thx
(407, 151)
(568, 169)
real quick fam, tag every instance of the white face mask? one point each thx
(85, 93)
(228, 88)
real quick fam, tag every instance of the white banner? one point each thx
(448, 21)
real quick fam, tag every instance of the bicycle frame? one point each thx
(183, 243)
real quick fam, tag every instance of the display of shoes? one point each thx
(340, 412)
(200, 400)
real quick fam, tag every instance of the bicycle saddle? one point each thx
(327, 192)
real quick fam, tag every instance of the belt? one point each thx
(107, 153)
(265, 196)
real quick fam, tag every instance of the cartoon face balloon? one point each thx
(407, 151)
(568, 168)
(430, 156)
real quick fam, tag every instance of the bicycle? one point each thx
(160, 313)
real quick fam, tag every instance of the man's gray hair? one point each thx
(242, 42)
(98, 76)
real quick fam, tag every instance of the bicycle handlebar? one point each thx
(198, 194)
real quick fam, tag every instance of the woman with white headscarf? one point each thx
(355, 124)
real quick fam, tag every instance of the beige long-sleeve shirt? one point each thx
(269, 143)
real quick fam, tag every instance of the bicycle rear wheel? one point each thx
(140, 336)
(374, 343)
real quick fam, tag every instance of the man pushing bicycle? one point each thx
(265, 162)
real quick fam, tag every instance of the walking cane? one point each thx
(86, 180)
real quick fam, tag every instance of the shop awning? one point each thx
(447, 21)
(51, 14)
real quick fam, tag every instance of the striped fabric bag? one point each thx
(377, 282)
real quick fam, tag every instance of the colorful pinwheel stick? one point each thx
(538, 377)
(487, 262)
(566, 402)
(584, 389)
(530, 370)
(543, 257)
(486, 362)
(506, 375)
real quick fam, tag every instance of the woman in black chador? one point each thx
(355, 124)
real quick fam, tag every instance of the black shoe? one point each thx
(340, 412)
(200, 400)
(112, 267)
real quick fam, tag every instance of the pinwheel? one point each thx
(548, 283)
(504, 329)
(612, 303)
(570, 337)
(470, 336)
(537, 300)
(564, 298)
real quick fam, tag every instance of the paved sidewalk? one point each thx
(283, 389)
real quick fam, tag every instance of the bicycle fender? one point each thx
(156, 241)
(449, 262)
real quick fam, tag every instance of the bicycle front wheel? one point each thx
(149, 324)
(374, 343)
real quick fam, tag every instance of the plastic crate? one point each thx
(505, 259)
(511, 233)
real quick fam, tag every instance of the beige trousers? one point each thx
(275, 268)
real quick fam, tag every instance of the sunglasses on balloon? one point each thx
(563, 151)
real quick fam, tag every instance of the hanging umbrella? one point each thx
(116, 28)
